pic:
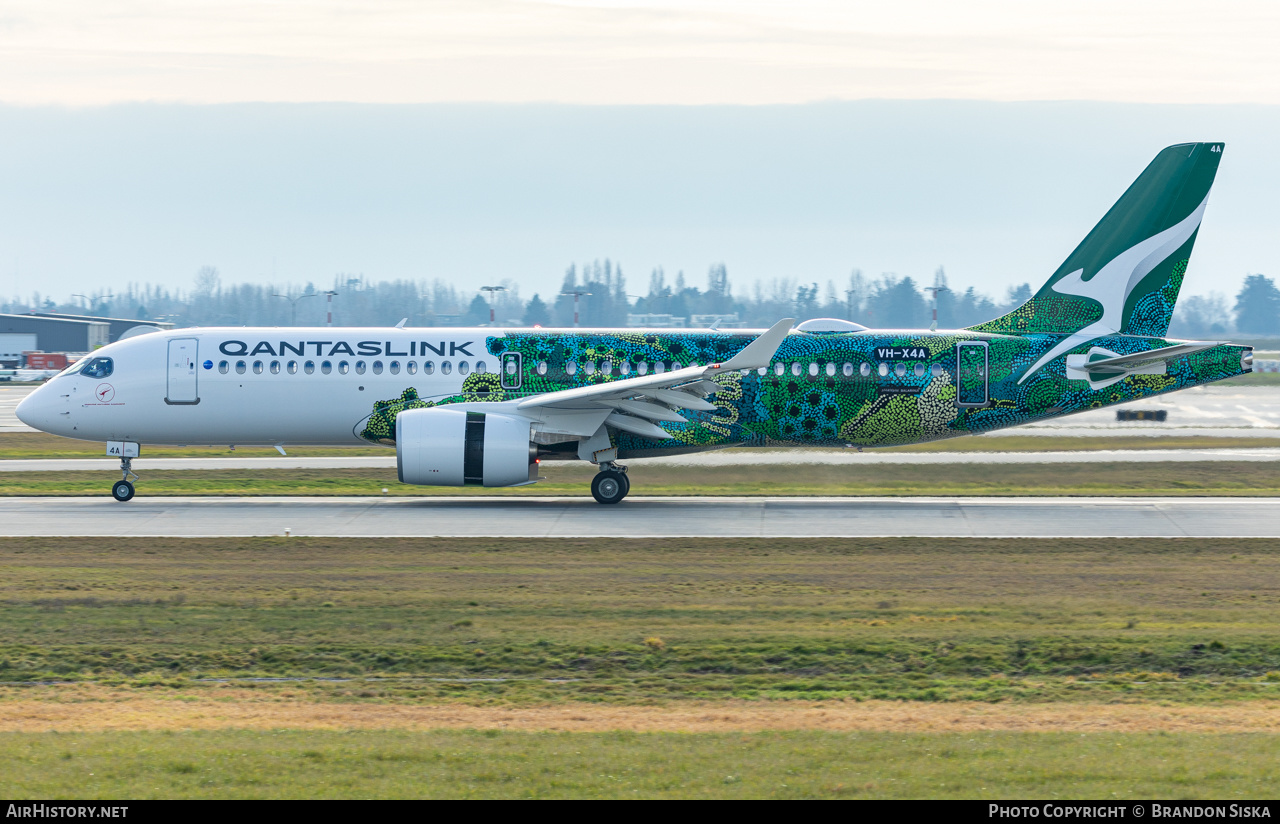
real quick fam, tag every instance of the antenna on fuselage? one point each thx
(402, 322)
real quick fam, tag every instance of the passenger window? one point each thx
(778, 369)
(257, 367)
(98, 368)
(813, 370)
(571, 368)
(848, 370)
(762, 371)
(309, 367)
(865, 370)
(936, 370)
(606, 368)
(445, 367)
(919, 370)
(428, 367)
(224, 367)
(542, 367)
(625, 367)
(481, 368)
(343, 367)
(642, 368)
(590, 367)
(326, 367)
(900, 370)
(883, 370)
(359, 367)
(411, 367)
(831, 369)
(795, 369)
(659, 367)
(463, 367)
(275, 367)
(241, 366)
(377, 367)
(292, 367)
(394, 367)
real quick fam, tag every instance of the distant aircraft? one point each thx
(485, 406)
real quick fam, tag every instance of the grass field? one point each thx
(607, 668)
(1234, 478)
(609, 621)
(495, 764)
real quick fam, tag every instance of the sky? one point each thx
(684, 52)
(482, 140)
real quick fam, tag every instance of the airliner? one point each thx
(487, 406)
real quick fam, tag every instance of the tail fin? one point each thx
(1124, 277)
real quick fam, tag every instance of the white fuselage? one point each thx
(251, 386)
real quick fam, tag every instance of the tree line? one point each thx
(599, 294)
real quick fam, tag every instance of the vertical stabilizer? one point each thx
(1125, 276)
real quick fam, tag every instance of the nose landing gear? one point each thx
(123, 490)
(610, 485)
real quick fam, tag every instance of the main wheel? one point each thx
(122, 491)
(609, 487)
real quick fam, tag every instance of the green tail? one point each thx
(1125, 276)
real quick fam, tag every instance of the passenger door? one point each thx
(183, 360)
(971, 374)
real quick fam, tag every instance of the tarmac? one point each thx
(737, 457)
(643, 517)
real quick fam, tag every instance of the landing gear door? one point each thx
(183, 360)
(971, 374)
(511, 370)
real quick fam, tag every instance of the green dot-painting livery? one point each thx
(487, 406)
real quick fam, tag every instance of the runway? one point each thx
(642, 517)
(738, 457)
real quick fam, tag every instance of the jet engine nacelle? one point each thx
(449, 447)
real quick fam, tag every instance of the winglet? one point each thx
(760, 351)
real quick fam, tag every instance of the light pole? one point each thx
(935, 290)
(491, 290)
(293, 303)
(329, 313)
(577, 293)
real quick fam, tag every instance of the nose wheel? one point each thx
(123, 490)
(610, 485)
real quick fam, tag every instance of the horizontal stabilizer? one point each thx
(1100, 364)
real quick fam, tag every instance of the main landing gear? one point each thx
(610, 485)
(123, 490)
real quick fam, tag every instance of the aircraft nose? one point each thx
(29, 409)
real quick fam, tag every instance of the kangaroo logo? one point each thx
(1112, 285)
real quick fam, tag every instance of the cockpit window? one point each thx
(98, 368)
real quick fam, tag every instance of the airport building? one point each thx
(116, 327)
(75, 334)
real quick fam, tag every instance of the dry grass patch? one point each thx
(95, 710)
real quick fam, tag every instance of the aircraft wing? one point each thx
(1138, 360)
(634, 404)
